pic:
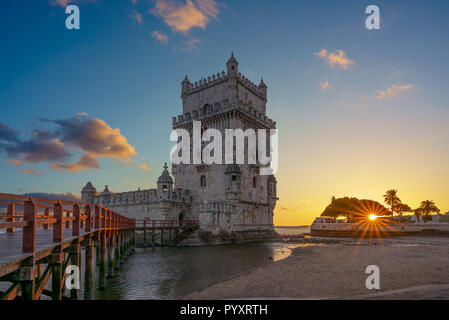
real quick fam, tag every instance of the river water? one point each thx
(167, 273)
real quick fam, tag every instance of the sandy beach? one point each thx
(410, 268)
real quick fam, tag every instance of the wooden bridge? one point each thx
(177, 231)
(52, 237)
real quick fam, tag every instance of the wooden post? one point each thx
(47, 216)
(76, 222)
(110, 245)
(97, 236)
(57, 226)
(75, 253)
(88, 221)
(27, 278)
(122, 247)
(102, 269)
(57, 259)
(97, 217)
(67, 223)
(29, 231)
(10, 213)
(117, 252)
(88, 268)
(144, 233)
(162, 232)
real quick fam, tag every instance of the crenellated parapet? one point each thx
(189, 88)
(221, 108)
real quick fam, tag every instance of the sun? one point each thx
(372, 217)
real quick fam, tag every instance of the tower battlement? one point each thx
(223, 88)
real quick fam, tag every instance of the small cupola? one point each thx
(165, 185)
(232, 66)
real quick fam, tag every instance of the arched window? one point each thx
(203, 181)
(254, 182)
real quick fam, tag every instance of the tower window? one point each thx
(234, 178)
(164, 188)
(203, 181)
(254, 182)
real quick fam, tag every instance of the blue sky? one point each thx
(379, 122)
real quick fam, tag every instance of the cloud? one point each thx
(134, 1)
(81, 114)
(324, 85)
(30, 171)
(15, 162)
(144, 167)
(159, 36)
(62, 3)
(181, 17)
(393, 91)
(94, 138)
(190, 44)
(7, 133)
(84, 162)
(335, 59)
(137, 16)
(65, 3)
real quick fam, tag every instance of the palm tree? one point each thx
(428, 206)
(418, 212)
(402, 207)
(391, 198)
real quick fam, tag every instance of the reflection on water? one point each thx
(292, 230)
(172, 272)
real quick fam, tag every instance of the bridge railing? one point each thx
(165, 224)
(31, 213)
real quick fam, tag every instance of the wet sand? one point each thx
(410, 268)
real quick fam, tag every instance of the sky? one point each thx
(358, 111)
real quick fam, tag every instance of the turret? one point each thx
(233, 67)
(263, 88)
(165, 185)
(185, 86)
(88, 192)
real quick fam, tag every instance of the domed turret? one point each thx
(233, 66)
(185, 85)
(88, 192)
(165, 185)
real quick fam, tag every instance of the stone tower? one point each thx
(231, 198)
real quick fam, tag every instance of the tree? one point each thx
(402, 207)
(391, 198)
(354, 208)
(428, 206)
(418, 212)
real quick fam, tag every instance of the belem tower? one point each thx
(231, 202)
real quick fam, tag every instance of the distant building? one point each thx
(230, 199)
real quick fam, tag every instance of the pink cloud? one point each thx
(29, 171)
(335, 59)
(181, 17)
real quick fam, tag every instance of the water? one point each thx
(168, 273)
(292, 230)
